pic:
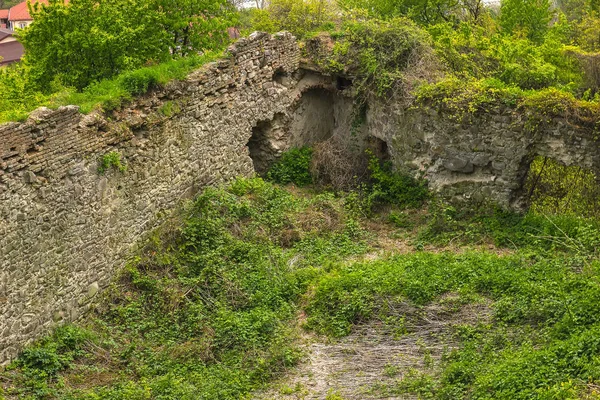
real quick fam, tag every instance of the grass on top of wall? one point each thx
(105, 95)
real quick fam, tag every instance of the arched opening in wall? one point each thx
(553, 188)
(267, 142)
(314, 118)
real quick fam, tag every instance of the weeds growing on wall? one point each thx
(111, 160)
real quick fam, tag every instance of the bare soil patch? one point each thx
(376, 357)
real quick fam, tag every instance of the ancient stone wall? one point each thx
(65, 228)
(483, 156)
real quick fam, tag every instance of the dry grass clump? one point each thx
(335, 164)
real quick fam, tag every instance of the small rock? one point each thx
(29, 177)
(458, 165)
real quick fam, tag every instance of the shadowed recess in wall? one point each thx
(313, 120)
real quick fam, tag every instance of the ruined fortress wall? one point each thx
(65, 228)
(481, 156)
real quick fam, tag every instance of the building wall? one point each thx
(19, 24)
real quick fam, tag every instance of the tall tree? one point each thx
(422, 11)
(529, 17)
(89, 40)
(196, 25)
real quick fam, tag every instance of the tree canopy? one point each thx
(90, 40)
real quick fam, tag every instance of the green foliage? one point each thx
(543, 327)
(99, 57)
(195, 25)
(554, 189)
(111, 160)
(477, 96)
(169, 108)
(388, 187)
(206, 311)
(378, 53)
(85, 41)
(21, 97)
(528, 17)
(301, 17)
(421, 11)
(40, 364)
(140, 81)
(292, 167)
(470, 51)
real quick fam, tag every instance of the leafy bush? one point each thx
(138, 82)
(301, 17)
(292, 167)
(379, 53)
(84, 42)
(111, 160)
(389, 187)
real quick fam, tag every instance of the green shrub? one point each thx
(292, 167)
(111, 160)
(388, 187)
(378, 53)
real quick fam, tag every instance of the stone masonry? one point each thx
(66, 228)
(482, 156)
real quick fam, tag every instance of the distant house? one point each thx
(11, 50)
(18, 16)
(4, 18)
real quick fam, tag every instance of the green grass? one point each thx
(108, 94)
(209, 308)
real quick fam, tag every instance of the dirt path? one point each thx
(375, 360)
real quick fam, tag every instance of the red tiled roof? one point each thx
(11, 52)
(3, 14)
(20, 12)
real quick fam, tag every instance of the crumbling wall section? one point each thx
(65, 228)
(482, 156)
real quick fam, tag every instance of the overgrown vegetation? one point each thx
(293, 167)
(519, 53)
(206, 311)
(213, 305)
(98, 56)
